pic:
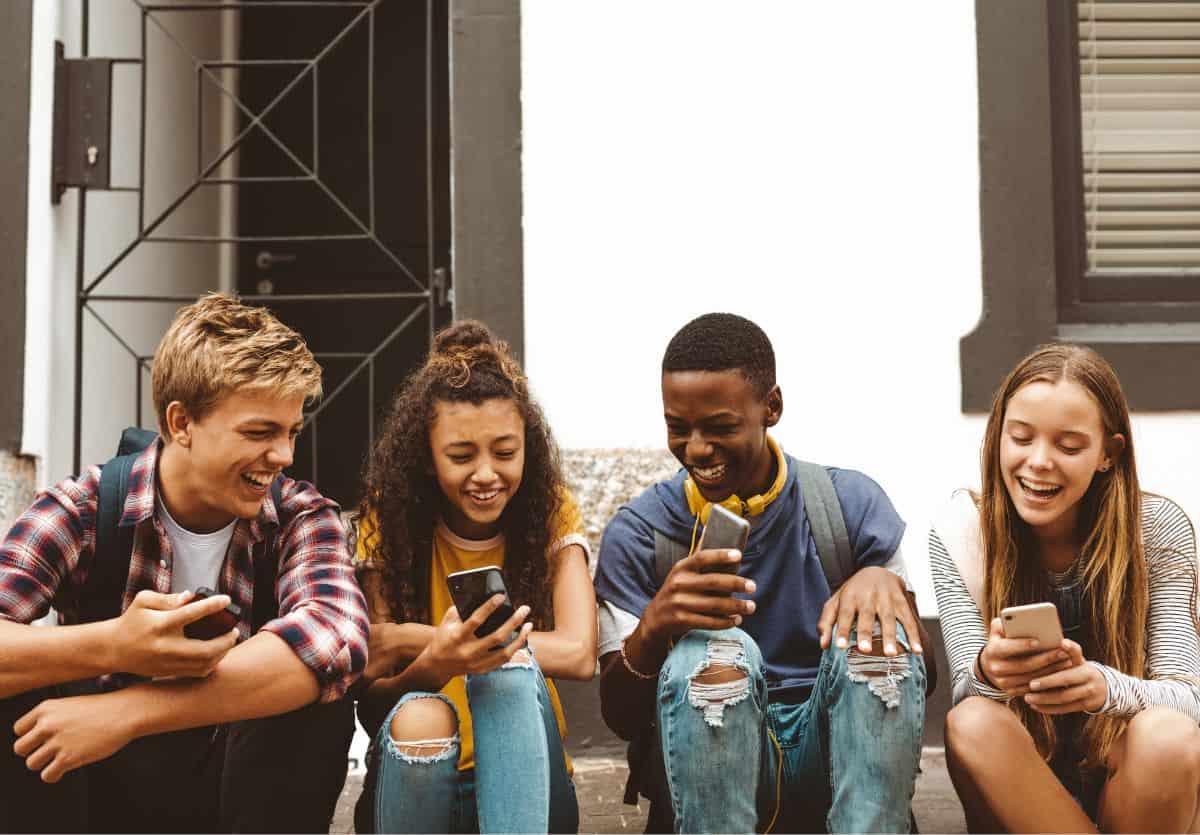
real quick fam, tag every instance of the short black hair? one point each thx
(723, 342)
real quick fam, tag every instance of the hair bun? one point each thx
(465, 335)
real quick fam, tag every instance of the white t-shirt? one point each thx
(196, 558)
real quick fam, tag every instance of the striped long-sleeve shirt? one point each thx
(1173, 647)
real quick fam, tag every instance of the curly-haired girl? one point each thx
(1100, 728)
(467, 475)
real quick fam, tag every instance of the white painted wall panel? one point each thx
(811, 166)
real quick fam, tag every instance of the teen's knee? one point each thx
(719, 669)
(974, 725)
(884, 675)
(1160, 741)
(424, 729)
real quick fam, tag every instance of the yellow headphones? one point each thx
(753, 506)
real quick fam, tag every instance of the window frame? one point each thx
(1032, 227)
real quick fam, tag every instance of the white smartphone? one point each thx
(1034, 620)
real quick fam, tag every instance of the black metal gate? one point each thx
(335, 161)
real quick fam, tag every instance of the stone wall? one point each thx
(18, 475)
(604, 479)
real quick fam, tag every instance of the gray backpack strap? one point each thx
(667, 552)
(827, 523)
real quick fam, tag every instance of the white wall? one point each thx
(813, 166)
(109, 372)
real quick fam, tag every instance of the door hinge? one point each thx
(82, 123)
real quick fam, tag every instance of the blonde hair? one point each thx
(1112, 561)
(218, 345)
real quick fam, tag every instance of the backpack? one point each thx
(104, 589)
(647, 775)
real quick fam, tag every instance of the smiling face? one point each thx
(478, 459)
(1052, 444)
(717, 429)
(221, 466)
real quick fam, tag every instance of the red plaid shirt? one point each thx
(44, 562)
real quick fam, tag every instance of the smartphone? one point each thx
(1035, 620)
(216, 624)
(471, 589)
(724, 530)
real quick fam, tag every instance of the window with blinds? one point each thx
(1139, 74)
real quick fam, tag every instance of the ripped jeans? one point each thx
(519, 783)
(846, 758)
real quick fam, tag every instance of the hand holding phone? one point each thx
(471, 644)
(723, 530)
(471, 589)
(216, 624)
(698, 591)
(1024, 643)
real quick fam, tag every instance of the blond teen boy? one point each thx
(126, 724)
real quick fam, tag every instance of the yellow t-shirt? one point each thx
(453, 553)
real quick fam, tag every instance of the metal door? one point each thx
(334, 164)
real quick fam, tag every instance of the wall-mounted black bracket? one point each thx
(82, 123)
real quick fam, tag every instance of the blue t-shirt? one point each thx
(780, 557)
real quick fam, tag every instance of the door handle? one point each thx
(266, 260)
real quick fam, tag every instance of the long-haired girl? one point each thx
(470, 729)
(1102, 728)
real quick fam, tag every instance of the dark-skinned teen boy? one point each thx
(768, 702)
(123, 723)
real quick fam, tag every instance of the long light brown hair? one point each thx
(1112, 564)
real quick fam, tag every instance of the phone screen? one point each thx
(471, 589)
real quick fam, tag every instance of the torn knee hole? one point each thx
(719, 674)
(425, 749)
(876, 651)
(423, 721)
(722, 680)
(881, 673)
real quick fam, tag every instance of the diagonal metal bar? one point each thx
(255, 122)
(111, 331)
(391, 337)
(367, 228)
(203, 66)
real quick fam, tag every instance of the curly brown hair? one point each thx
(467, 364)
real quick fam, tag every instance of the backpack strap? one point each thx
(826, 522)
(104, 589)
(266, 569)
(667, 552)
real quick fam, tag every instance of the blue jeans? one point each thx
(847, 757)
(520, 781)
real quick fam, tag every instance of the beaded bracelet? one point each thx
(635, 673)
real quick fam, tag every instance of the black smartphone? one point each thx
(216, 624)
(471, 589)
(724, 530)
